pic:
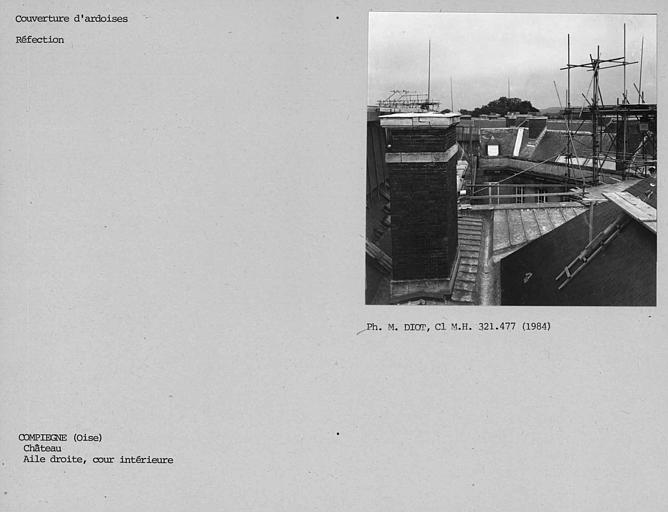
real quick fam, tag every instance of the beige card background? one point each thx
(182, 271)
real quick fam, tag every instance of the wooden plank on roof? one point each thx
(649, 210)
(635, 207)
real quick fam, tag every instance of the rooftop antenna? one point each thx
(508, 87)
(429, 77)
(568, 89)
(625, 99)
(624, 124)
(569, 153)
(452, 103)
(596, 66)
(642, 44)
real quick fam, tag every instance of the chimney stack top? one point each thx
(419, 119)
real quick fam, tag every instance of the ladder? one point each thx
(592, 249)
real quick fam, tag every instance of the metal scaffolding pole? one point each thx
(429, 77)
(594, 118)
(569, 152)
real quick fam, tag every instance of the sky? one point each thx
(482, 51)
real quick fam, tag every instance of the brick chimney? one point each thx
(421, 160)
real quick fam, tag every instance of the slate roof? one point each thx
(622, 274)
(504, 137)
(583, 126)
(377, 234)
(517, 226)
(484, 123)
(555, 143)
(469, 129)
(466, 285)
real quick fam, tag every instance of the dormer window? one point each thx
(493, 147)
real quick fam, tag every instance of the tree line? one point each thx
(502, 106)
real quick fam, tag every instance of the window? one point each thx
(519, 194)
(492, 150)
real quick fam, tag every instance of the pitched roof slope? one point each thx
(578, 125)
(622, 274)
(555, 143)
(504, 137)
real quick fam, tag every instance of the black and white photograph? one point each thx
(210, 211)
(511, 159)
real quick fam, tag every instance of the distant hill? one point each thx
(550, 110)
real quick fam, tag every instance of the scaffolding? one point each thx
(638, 160)
(407, 101)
